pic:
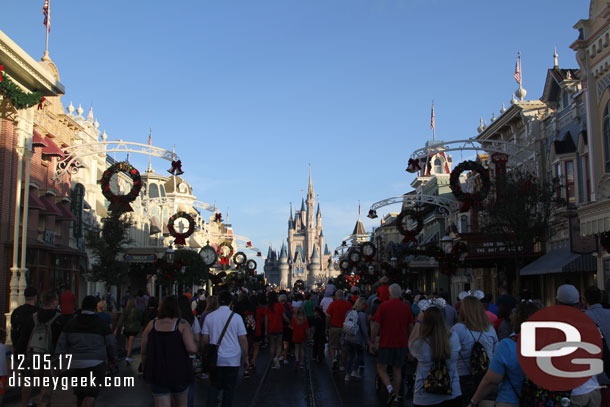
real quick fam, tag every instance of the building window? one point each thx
(569, 182)
(559, 177)
(464, 224)
(438, 166)
(606, 137)
(565, 100)
(162, 191)
(153, 191)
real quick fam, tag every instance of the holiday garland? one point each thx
(180, 238)
(469, 199)
(409, 235)
(120, 203)
(15, 95)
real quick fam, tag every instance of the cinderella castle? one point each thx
(306, 257)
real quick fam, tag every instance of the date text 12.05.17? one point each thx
(38, 361)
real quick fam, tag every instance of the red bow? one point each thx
(409, 237)
(179, 239)
(119, 204)
(1, 69)
(468, 202)
(413, 166)
(249, 244)
(218, 217)
(224, 260)
(40, 106)
(176, 168)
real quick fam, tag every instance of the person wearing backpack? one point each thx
(129, 325)
(504, 371)
(46, 328)
(436, 349)
(601, 317)
(335, 316)
(89, 341)
(478, 342)
(22, 322)
(356, 338)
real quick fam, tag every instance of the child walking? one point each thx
(319, 334)
(300, 328)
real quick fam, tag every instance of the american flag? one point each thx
(47, 15)
(150, 139)
(518, 69)
(432, 120)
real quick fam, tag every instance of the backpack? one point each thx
(534, 395)
(41, 339)
(18, 320)
(438, 380)
(479, 360)
(350, 325)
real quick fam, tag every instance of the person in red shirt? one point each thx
(274, 315)
(335, 316)
(67, 300)
(383, 293)
(300, 330)
(392, 321)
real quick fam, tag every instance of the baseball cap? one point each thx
(567, 294)
(30, 292)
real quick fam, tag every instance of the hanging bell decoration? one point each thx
(176, 168)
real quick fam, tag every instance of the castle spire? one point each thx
(310, 193)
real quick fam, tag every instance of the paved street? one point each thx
(316, 385)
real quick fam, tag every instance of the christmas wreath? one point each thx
(15, 95)
(352, 280)
(605, 241)
(224, 258)
(409, 235)
(120, 203)
(469, 199)
(180, 237)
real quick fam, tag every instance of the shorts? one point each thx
(98, 372)
(287, 334)
(335, 334)
(396, 357)
(128, 334)
(159, 390)
(3, 381)
(276, 334)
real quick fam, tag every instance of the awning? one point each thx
(560, 261)
(50, 209)
(38, 141)
(33, 200)
(51, 149)
(64, 208)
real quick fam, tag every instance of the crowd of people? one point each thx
(425, 348)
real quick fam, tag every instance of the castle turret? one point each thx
(283, 267)
(314, 267)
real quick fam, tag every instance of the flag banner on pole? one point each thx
(150, 139)
(432, 118)
(518, 69)
(47, 16)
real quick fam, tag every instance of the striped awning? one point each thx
(595, 218)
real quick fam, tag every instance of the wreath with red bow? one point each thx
(604, 239)
(409, 235)
(469, 199)
(120, 203)
(224, 259)
(180, 238)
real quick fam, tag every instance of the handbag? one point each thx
(212, 350)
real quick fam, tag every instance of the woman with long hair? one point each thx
(275, 327)
(167, 342)
(504, 371)
(129, 325)
(433, 345)
(300, 331)
(473, 327)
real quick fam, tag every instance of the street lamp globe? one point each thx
(170, 254)
(447, 244)
(393, 261)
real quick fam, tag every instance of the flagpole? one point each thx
(433, 124)
(46, 47)
(150, 149)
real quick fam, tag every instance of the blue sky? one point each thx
(250, 92)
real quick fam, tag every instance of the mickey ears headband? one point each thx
(435, 302)
(478, 294)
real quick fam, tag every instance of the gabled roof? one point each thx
(554, 77)
(359, 228)
(566, 145)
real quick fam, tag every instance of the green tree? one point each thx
(524, 215)
(108, 245)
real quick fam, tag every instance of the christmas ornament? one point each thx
(413, 166)
(409, 235)
(469, 200)
(176, 168)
